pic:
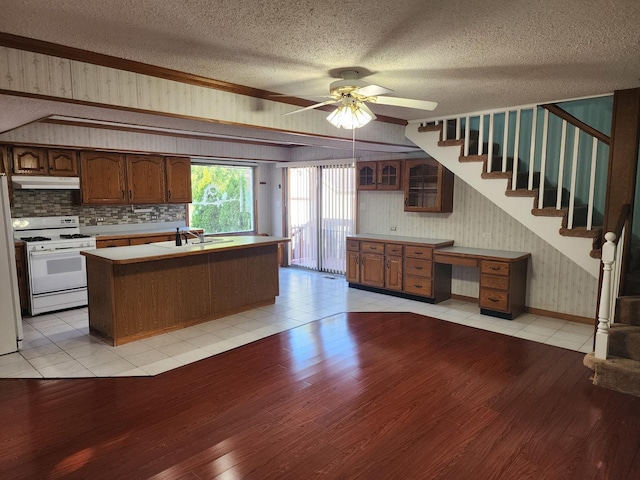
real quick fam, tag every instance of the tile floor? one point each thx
(58, 345)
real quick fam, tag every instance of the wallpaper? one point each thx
(555, 283)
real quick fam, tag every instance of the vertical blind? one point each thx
(321, 214)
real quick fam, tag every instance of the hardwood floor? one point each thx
(354, 396)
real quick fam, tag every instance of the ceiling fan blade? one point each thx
(364, 107)
(405, 102)
(373, 91)
(310, 107)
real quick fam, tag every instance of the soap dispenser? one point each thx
(178, 237)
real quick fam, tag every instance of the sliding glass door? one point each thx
(321, 214)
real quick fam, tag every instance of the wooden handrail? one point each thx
(564, 115)
(623, 216)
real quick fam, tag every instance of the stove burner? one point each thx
(74, 235)
(34, 239)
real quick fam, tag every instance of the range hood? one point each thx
(45, 183)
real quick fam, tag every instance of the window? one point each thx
(222, 198)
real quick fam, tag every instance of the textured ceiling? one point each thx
(467, 55)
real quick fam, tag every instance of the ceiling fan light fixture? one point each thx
(350, 116)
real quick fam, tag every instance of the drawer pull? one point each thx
(418, 268)
(495, 300)
(417, 286)
(373, 248)
(495, 268)
(418, 253)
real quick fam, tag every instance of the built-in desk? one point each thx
(503, 277)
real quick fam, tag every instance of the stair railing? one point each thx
(515, 132)
(610, 287)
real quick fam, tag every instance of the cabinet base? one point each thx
(493, 313)
(393, 293)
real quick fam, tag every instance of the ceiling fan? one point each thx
(352, 95)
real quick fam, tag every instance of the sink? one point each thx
(193, 244)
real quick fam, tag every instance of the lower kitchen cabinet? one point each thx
(401, 265)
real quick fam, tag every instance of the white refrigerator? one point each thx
(10, 317)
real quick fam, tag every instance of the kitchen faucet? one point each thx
(199, 236)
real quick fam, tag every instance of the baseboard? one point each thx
(537, 311)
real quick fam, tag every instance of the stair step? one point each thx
(619, 374)
(624, 341)
(496, 163)
(628, 310)
(473, 148)
(451, 131)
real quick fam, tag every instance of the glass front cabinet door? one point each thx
(428, 187)
(384, 175)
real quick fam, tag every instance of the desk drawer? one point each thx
(494, 300)
(371, 247)
(418, 252)
(494, 268)
(494, 281)
(353, 245)
(417, 285)
(456, 260)
(393, 249)
(417, 267)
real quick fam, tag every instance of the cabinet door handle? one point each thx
(123, 194)
(388, 264)
(130, 194)
(169, 193)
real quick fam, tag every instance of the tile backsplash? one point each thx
(42, 203)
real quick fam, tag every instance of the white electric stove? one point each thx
(56, 271)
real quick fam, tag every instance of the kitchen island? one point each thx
(139, 291)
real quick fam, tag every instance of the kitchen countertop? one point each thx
(163, 250)
(400, 239)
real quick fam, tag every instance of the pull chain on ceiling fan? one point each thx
(352, 94)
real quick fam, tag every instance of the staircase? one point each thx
(620, 371)
(550, 208)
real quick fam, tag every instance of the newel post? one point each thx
(602, 333)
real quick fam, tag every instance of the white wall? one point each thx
(555, 283)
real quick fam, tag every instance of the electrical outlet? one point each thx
(154, 217)
(486, 234)
(392, 228)
(101, 219)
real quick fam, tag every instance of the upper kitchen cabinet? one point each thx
(384, 175)
(30, 161)
(62, 163)
(145, 179)
(428, 186)
(102, 178)
(178, 170)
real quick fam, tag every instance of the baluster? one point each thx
(490, 144)
(574, 175)
(516, 147)
(543, 158)
(467, 133)
(532, 151)
(481, 135)
(445, 125)
(458, 122)
(563, 147)
(602, 333)
(592, 182)
(505, 141)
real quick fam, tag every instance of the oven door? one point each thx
(54, 271)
